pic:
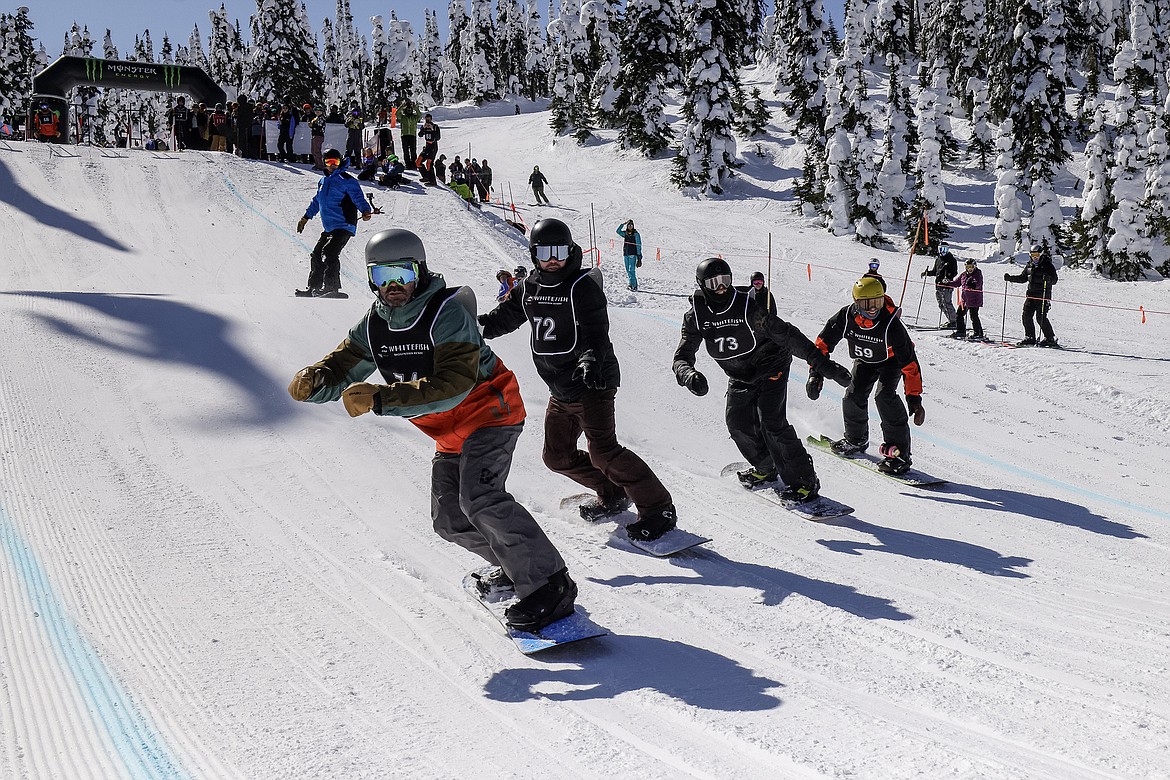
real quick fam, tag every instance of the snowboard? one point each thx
(338, 295)
(820, 508)
(569, 629)
(670, 543)
(913, 477)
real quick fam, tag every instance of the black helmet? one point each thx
(758, 276)
(553, 232)
(708, 269)
(331, 152)
(520, 272)
(387, 246)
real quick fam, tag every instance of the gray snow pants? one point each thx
(943, 295)
(469, 506)
(891, 409)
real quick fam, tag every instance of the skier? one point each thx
(944, 271)
(575, 357)
(873, 273)
(754, 348)
(882, 351)
(1040, 274)
(970, 284)
(339, 198)
(536, 181)
(761, 292)
(462, 396)
(631, 251)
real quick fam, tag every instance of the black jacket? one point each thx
(944, 271)
(589, 324)
(1040, 276)
(776, 342)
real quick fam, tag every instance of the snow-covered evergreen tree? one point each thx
(481, 54)
(803, 72)
(225, 52)
(284, 66)
(353, 66)
(930, 200)
(509, 65)
(601, 19)
(534, 74)
(840, 179)
(1127, 241)
(893, 42)
(379, 60)
(402, 63)
(981, 149)
(650, 43)
(1087, 231)
(454, 85)
(708, 148)
(1158, 175)
(1009, 208)
(18, 62)
(431, 58)
(569, 72)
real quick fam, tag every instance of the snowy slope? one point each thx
(201, 578)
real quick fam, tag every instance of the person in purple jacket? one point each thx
(970, 284)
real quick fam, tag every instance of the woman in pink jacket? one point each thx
(970, 285)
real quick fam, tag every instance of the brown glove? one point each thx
(306, 382)
(301, 224)
(359, 398)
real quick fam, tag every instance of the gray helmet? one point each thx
(386, 246)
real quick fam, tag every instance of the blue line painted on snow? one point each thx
(140, 748)
(958, 449)
(280, 229)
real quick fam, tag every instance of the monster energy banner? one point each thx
(69, 72)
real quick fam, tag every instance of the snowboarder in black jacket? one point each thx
(1040, 274)
(754, 348)
(566, 307)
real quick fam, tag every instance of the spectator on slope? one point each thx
(368, 166)
(385, 136)
(178, 119)
(536, 181)
(760, 292)
(485, 178)
(218, 128)
(872, 273)
(882, 353)
(243, 124)
(339, 198)
(944, 271)
(631, 251)
(317, 136)
(571, 348)
(441, 168)
(288, 119)
(970, 284)
(353, 140)
(391, 173)
(408, 117)
(459, 393)
(475, 180)
(202, 128)
(507, 282)
(335, 117)
(457, 171)
(431, 134)
(1040, 274)
(754, 348)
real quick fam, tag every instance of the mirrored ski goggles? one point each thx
(715, 282)
(757, 282)
(557, 252)
(333, 161)
(400, 272)
(869, 306)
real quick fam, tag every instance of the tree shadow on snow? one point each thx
(1032, 505)
(775, 585)
(927, 548)
(49, 215)
(621, 664)
(170, 331)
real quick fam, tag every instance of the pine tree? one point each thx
(534, 74)
(840, 178)
(1086, 234)
(1158, 177)
(353, 66)
(431, 70)
(285, 66)
(982, 146)
(402, 63)
(1008, 206)
(602, 22)
(650, 43)
(379, 61)
(803, 73)
(224, 52)
(481, 54)
(570, 105)
(454, 86)
(512, 47)
(930, 200)
(708, 147)
(894, 43)
(18, 62)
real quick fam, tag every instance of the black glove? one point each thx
(925, 273)
(838, 373)
(1007, 277)
(813, 386)
(639, 263)
(693, 380)
(914, 404)
(588, 372)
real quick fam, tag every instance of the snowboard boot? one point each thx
(595, 508)
(1049, 343)
(308, 292)
(652, 524)
(753, 478)
(894, 464)
(331, 293)
(495, 585)
(801, 494)
(848, 449)
(547, 604)
(978, 337)
(1028, 342)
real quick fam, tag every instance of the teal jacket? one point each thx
(462, 359)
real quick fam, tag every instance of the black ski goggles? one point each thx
(399, 272)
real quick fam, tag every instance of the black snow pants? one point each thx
(895, 421)
(757, 419)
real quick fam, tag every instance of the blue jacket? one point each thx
(339, 200)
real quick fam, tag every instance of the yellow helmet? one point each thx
(868, 287)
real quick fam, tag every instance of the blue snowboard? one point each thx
(573, 628)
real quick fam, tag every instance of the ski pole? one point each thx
(1003, 322)
(921, 294)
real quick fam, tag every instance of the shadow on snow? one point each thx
(49, 215)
